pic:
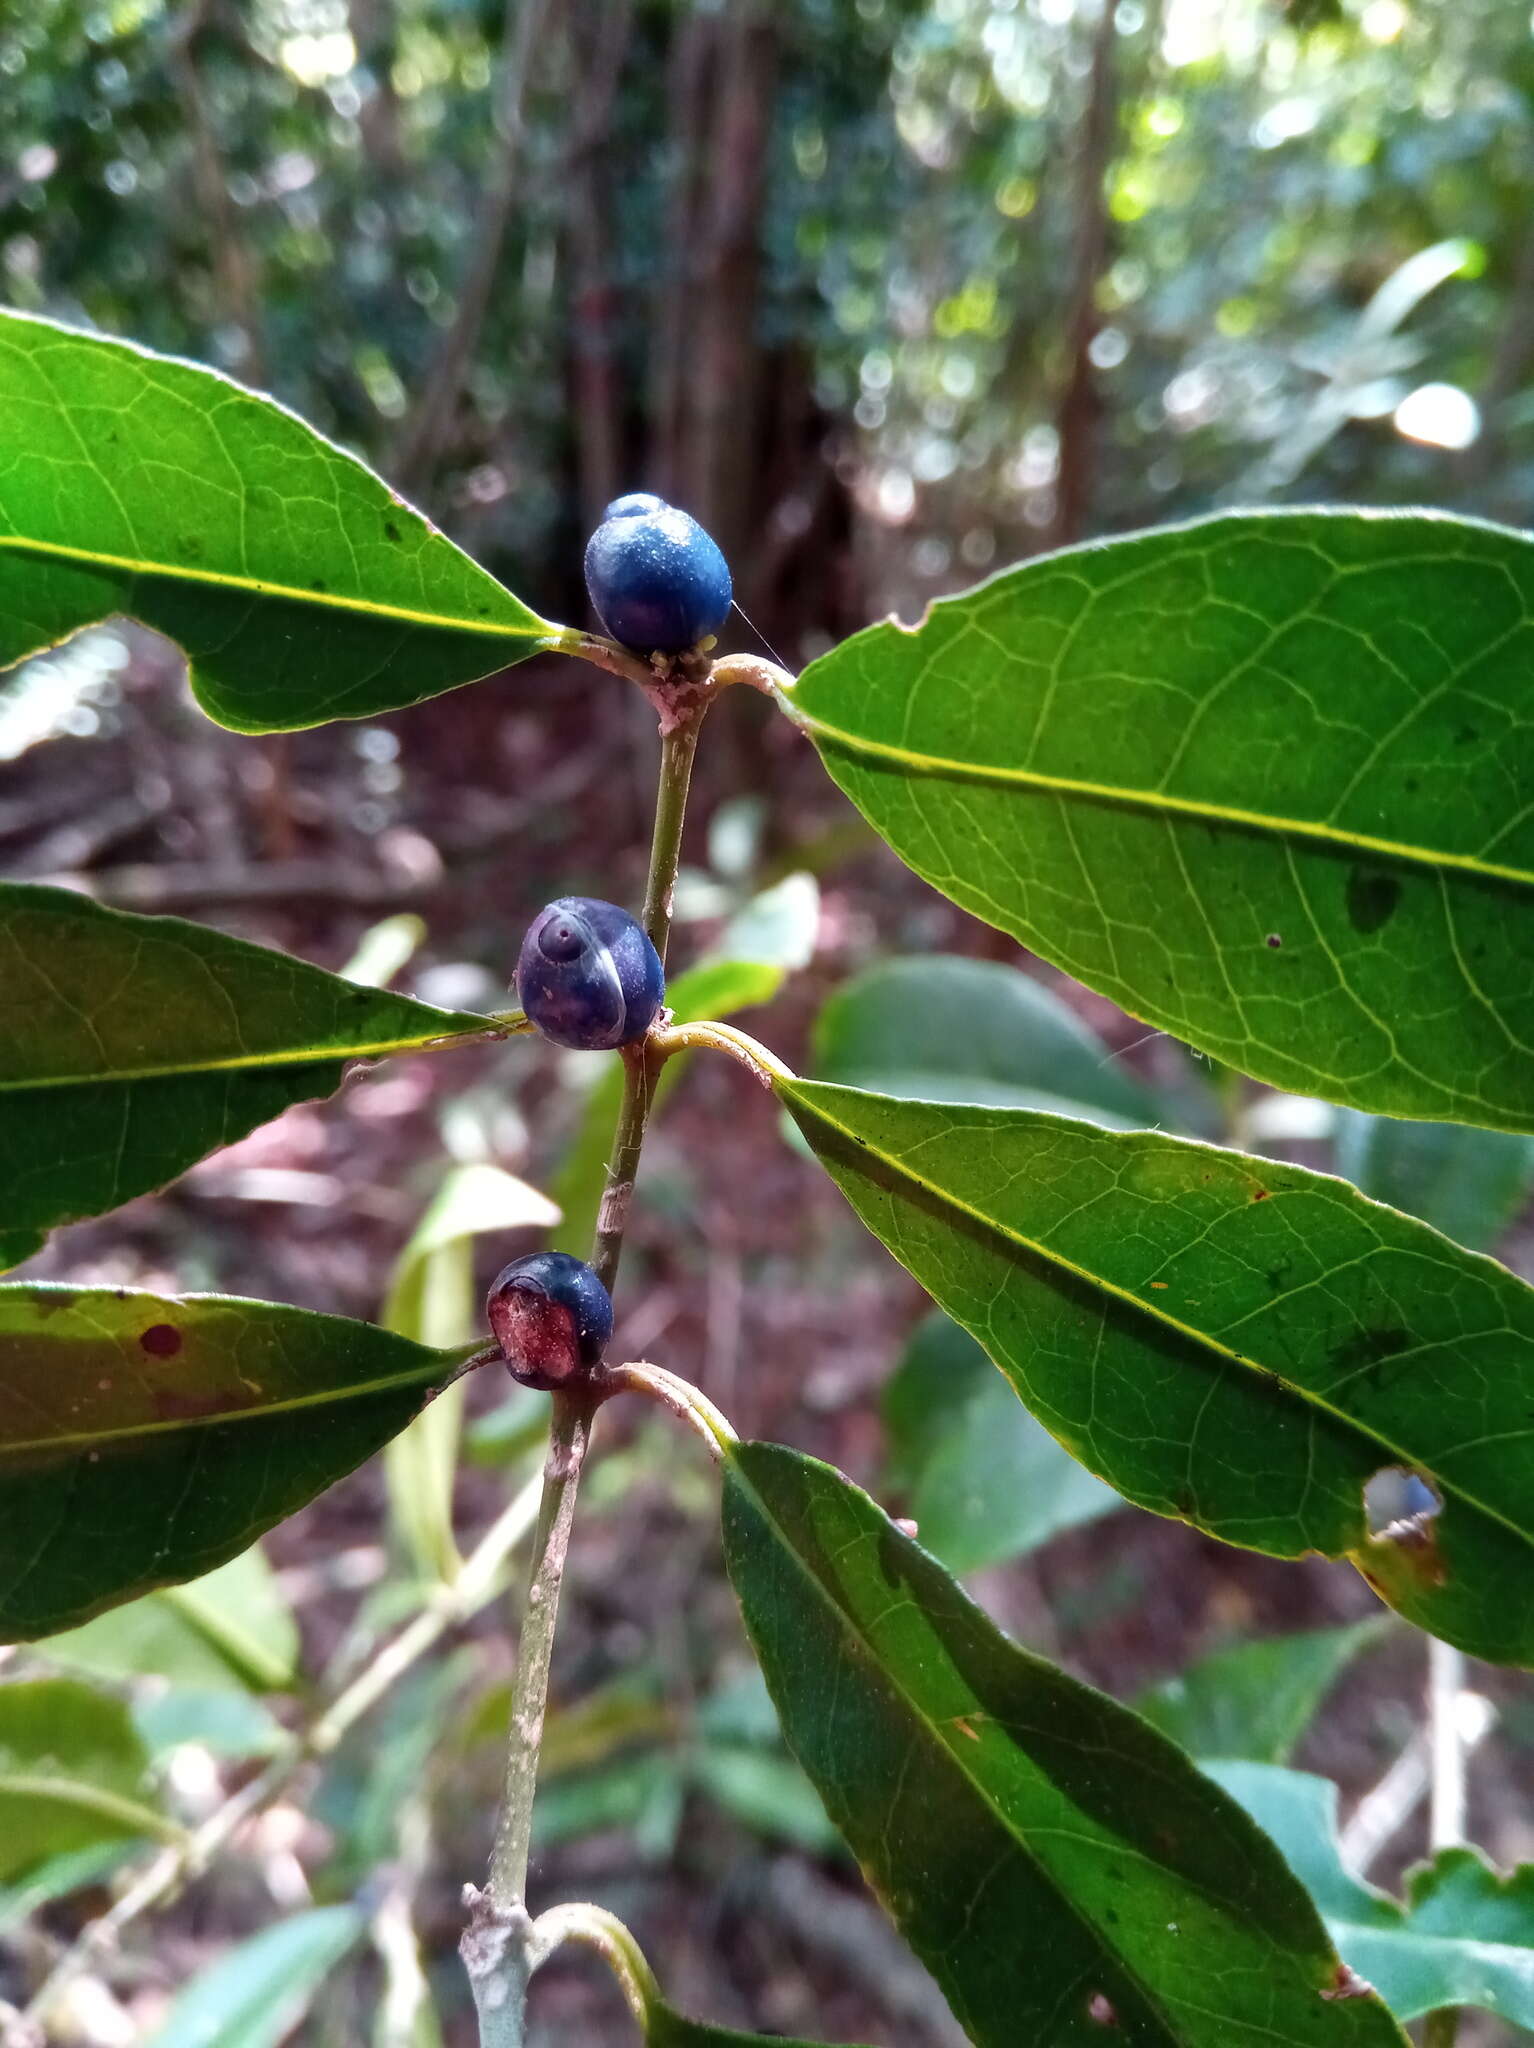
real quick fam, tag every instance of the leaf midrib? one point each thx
(854, 1632)
(291, 1056)
(84, 1798)
(539, 630)
(293, 1404)
(1202, 1339)
(1159, 801)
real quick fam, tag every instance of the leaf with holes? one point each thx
(1465, 1935)
(300, 587)
(1240, 1344)
(145, 1439)
(131, 1046)
(73, 1773)
(1064, 1871)
(1262, 780)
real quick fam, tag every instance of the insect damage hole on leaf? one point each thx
(1400, 1507)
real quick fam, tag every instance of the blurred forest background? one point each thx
(888, 293)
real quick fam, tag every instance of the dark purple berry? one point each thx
(656, 580)
(588, 977)
(552, 1318)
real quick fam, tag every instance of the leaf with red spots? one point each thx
(144, 1439)
(1062, 1869)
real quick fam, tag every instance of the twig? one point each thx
(173, 1867)
(679, 1396)
(1445, 1685)
(497, 1948)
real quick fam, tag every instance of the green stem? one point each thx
(1442, 2028)
(569, 1435)
(497, 1948)
(642, 1063)
(603, 1931)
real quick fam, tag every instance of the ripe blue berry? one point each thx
(588, 976)
(634, 503)
(552, 1318)
(656, 580)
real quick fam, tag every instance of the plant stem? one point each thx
(1445, 1683)
(604, 1932)
(1441, 2028)
(641, 1063)
(174, 1866)
(569, 1435)
(497, 1948)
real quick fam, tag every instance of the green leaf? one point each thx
(1055, 1863)
(893, 1029)
(982, 1480)
(145, 1439)
(432, 1301)
(229, 1724)
(300, 587)
(228, 1630)
(131, 1046)
(1235, 1342)
(256, 1993)
(1151, 760)
(72, 1774)
(767, 938)
(1467, 1183)
(56, 1878)
(1257, 1700)
(767, 1793)
(1465, 1935)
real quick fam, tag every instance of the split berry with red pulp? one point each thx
(552, 1318)
(656, 580)
(588, 976)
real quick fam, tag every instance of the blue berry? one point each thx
(656, 580)
(588, 976)
(552, 1318)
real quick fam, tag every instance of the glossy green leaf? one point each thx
(73, 1773)
(145, 1439)
(1255, 1701)
(1261, 780)
(300, 587)
(257, 1992)
(1470, 1184)
(131, 1046)
(1060, 1867)
(228, 1630)
(1465, 1935)
(946, 1029)
(766, 939)
(1238, 1343)
(982, 1480)
(432, 1301)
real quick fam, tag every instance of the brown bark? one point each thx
(1078, 411)
(233, 267)
(428, 427)
(599, 45)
